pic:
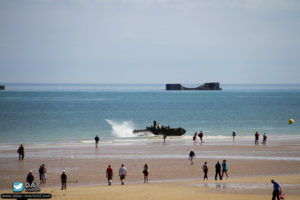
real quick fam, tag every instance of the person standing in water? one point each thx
(96, 141)
(195, 137)
(218, 171)
(109, 174)
(21, 152)
(201, 136)
(233, 135)
(224, 168)
(264, 139)
(63, 178)
(122, 174)
(256, 138)
(191, 156)
(205, 170)
(146, 172)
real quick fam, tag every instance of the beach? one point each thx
(170, 168)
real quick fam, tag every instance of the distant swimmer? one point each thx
(205, 170)
(224, 168)
(256, 138)
(96, 141)
(233, 135)
(109, 174)
(201, 136)
(195, 137)
(264, 139)
(30, 178)
(146, 172)
(63, 178)
(21, 152)
(276, 190)
(122, 174)
(218, 171)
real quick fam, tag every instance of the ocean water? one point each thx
(53, 113)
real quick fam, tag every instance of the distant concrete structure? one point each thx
(205, 86)
(2, 87)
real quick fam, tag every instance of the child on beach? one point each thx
(205, 170)
(276, 190)
(122, 173)
(109, 174)
(146, 172)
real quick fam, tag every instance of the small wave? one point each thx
(87, 141)
(122, 129)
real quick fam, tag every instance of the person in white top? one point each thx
(122, 173)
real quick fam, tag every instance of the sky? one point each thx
(150, 41)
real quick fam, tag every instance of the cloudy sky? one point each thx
(149, 41)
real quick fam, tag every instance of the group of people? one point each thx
(218, 167)
(123, 173)
(257, 138)
(200, 135)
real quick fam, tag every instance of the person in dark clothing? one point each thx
(205, 170)
(218, 171)
(191, 156)
(30, 178)
(256, 138)
(154, 123)
(96, 140)
(21, 152)
(63, 178)
(276, 190)
(201, 136)
(233, 135)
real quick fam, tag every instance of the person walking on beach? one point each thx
(21, 152)
(42, 173)
(63, 178)
(233, 135)
(256, 138)
(205, 170)
(122, 174)
(96, 141)
(30, 178)
(276, 190)
(109, 174)
(192, 156)
(195, 137)
(264, 139)
(218, 171)
(201, 136)
(224, 168)
(146, 172)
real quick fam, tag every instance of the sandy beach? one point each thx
(171, 175)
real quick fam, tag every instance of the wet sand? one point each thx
(169, 167)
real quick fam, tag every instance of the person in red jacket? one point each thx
(109, 174)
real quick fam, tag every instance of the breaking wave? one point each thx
(122, 129)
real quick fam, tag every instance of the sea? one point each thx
(76, 113)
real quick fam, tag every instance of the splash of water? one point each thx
(122, 129)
